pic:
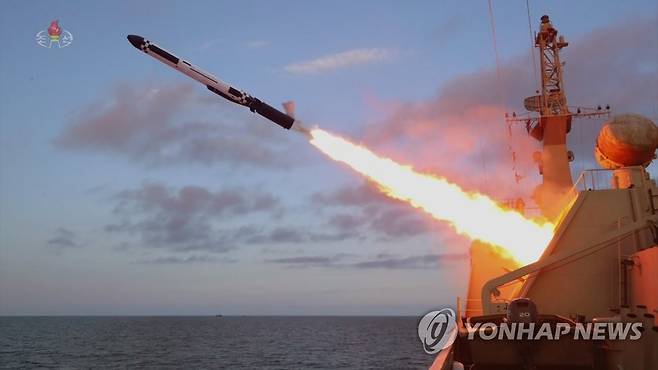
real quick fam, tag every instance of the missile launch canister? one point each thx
(213, 83)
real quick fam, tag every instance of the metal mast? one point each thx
(552, 121)
(553, 99)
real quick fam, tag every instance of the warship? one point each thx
(601, 265)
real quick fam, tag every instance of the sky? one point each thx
(128, 189)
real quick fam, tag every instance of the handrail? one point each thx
(593, 178)
(490, 287)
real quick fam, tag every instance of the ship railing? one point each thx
(611, 238)
(593, 179)
(467, 307)
(599, 179)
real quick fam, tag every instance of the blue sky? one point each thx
(127, 189)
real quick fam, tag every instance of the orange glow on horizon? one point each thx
(470, 213)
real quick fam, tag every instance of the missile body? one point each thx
(213, 83)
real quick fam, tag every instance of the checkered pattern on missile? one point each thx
(244, 98)
(145, 46)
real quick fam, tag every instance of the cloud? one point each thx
(281, 234)
(399, 222)
(346, 221)
(625, 76)
(340, 60)
(364, 194)
(362, 211)
(144, 122)
(174, 260)
(306, 261)
(63, 239)
(297, 235)
(194, 218)
(382, 261)
(428, 261)
(184, 219)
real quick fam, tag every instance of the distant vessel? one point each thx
(219, 315)
(602, 263)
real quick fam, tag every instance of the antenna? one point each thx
(551, 100)
(548, 120)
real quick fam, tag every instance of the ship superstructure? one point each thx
(601, 265)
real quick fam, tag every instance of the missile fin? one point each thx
(289, 108)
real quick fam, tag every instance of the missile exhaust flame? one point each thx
(471, 214)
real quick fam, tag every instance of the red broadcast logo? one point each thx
(54, 35)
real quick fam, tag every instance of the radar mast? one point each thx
(549, 121)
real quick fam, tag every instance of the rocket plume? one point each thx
(470, 213)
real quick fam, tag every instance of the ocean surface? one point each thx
(211, 343)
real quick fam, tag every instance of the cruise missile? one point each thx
(214, 84)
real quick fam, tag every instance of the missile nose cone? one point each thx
(136, 41)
